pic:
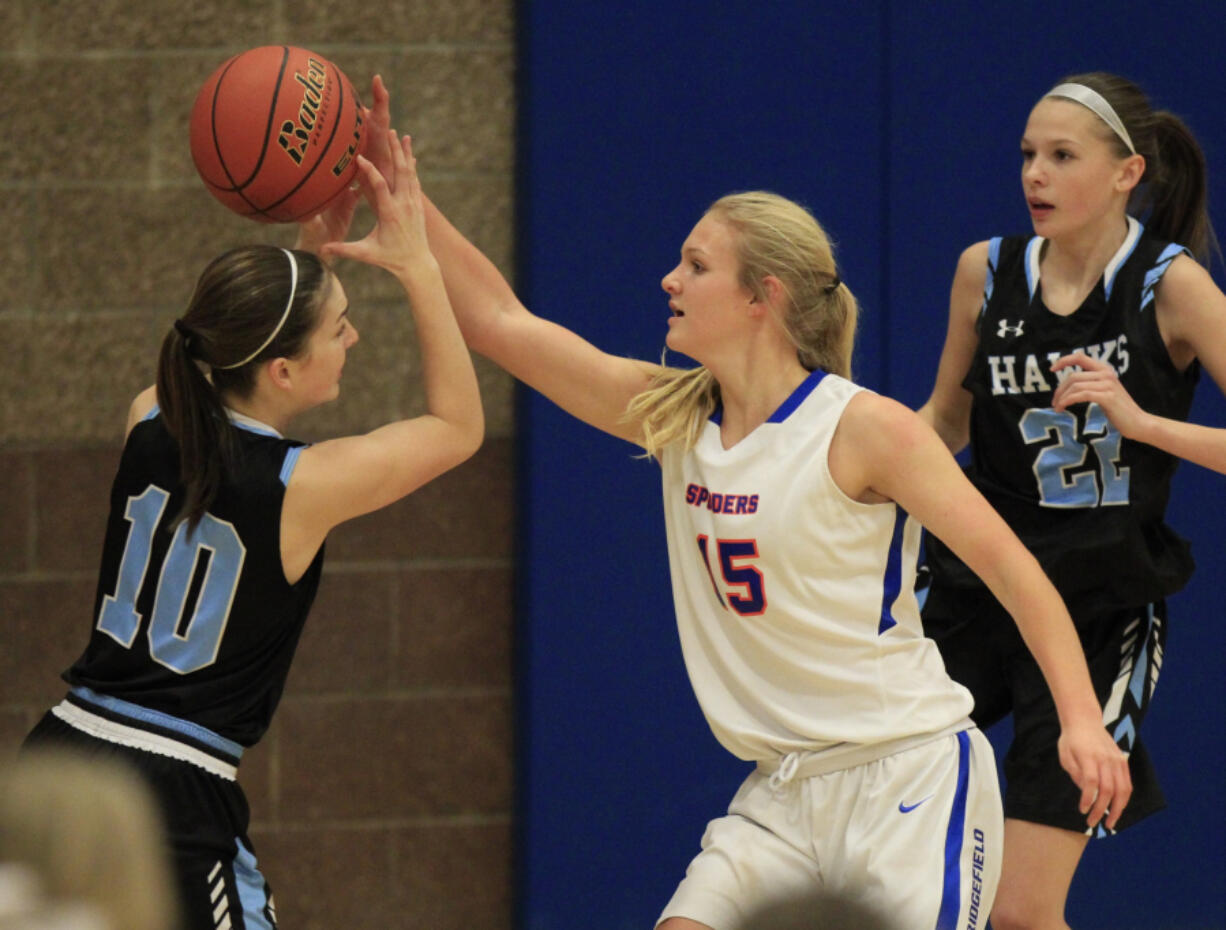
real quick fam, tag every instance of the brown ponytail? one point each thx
(1172, 198)
(239, 300)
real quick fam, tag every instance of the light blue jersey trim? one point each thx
(1125, 732)
(291, 460)
(251, 424)
(252, 894)
(241, 420)
(1154, 275)
(202, 735)
(1034, 252)
(989, 283)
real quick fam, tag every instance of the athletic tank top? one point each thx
(795, 604)
(201, 625)
(1088, 503)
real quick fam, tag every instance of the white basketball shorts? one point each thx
(916, 835)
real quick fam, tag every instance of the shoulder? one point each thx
(876, 420)
(1189, 304)
(836, 387)
(1186, 280)
(975, 256)
(876, 437)
(973, 263)
(875, 429)
(141, 405)
(970, 282)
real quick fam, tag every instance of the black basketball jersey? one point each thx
(1087, 502)
(201, 625)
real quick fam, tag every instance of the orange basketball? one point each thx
(274, 133)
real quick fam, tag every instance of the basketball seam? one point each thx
(237, 187)
(336, 123)
(240, 189)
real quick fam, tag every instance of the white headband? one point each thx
(293, 289)
(1097, 104)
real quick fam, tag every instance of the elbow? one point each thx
(956, 440)
(473, 438)
(955, 433)
(488, 333)
(476, 336)
(468, 438)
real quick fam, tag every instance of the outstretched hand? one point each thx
(1100, 769)
(398, 241)
(333, 222)
(378, 122)
(1097, 383)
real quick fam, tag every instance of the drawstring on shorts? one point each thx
(782, 776)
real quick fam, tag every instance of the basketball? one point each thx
(275, 131)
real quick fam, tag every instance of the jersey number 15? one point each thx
(748, 593)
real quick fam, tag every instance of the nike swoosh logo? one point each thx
(904, 808)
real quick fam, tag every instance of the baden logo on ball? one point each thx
(274, 132)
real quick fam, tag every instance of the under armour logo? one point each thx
(1006, 330)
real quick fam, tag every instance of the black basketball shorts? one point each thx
(984, 651)
(205, 812)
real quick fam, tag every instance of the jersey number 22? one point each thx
(1059, 468)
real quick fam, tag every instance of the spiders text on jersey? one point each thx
(698, 496)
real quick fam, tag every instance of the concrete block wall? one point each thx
(382, 795)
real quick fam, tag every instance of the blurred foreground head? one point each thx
(84, 833)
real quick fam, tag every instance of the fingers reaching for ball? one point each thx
(331, 224)
(378, 122)
(398, 241)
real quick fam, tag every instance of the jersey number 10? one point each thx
(212, 548)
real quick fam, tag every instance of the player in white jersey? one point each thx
(804, 654)
(785, 486)
(771, 572)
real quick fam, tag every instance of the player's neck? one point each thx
(1077, 261)
(752, 394)
(261, 411)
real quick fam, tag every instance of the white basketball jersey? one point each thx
(795, 604)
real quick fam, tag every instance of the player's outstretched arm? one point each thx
(344, 478)
(592, 385)
(588, 383)
(882, 450)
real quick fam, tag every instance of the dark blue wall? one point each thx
(898, 125)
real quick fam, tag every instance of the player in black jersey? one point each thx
(215, 539)
(1069, 366)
